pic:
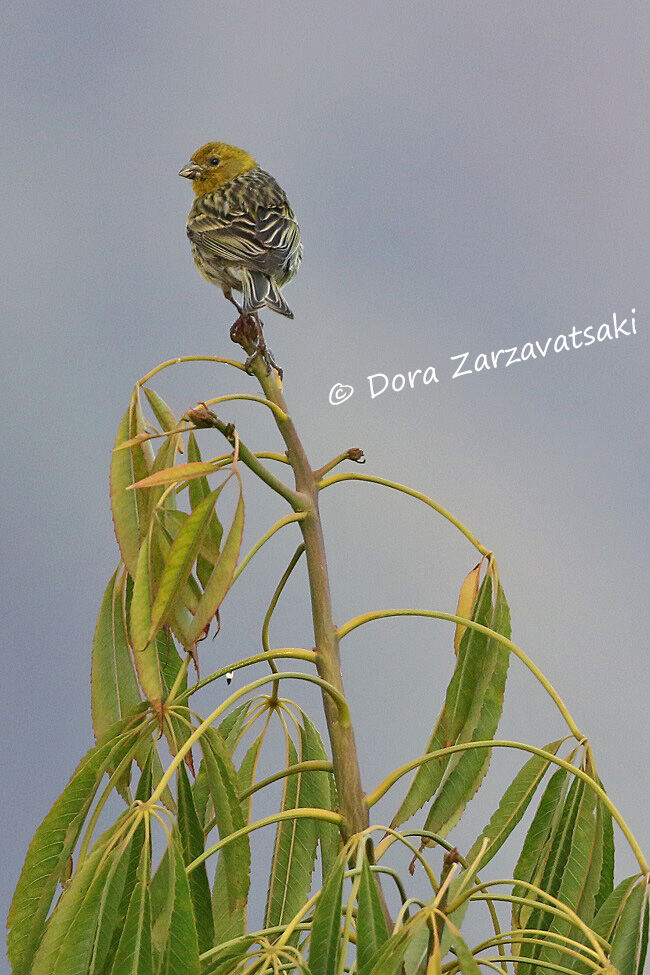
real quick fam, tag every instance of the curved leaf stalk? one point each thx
(498, 637)
(271, 609)
(283, 653)
(303, 812)
(287, 520)
(280, 414)
(369, 478)
(341, 706)
(390, 780)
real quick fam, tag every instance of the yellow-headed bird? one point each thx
(242, 229)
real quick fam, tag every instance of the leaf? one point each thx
(134, 954)
(225, 800)
(605, 921)
(192, 844)
(145, 652)
(513, 805)
(114, 687)
(221, 577)
(461, 692)
(391, 954)
(174, 475)
(468, 771)
(606, 885)
(164, 415)
(182, 950)
(69, 935)
(628, 944)
(319, 791)
(128, 466)
(161, 894)
(324, 945)
(296, 840)
(538, 836)
(232, 924)
(54, 841)
(466, 961)
(371, 925)
(199, 488)
(467, 602)
(580, 873)
(179, 562)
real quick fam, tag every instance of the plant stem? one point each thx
(328, 662)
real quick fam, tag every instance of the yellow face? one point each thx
(214, 165)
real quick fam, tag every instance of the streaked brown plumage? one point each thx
(243, 232)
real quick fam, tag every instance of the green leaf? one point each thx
(221, 577)
(461, 693)
(627, 947)
(606, 885)
(55, 839)
(467, 772)
(180, 561)
(391, 955)
(538, 837)
(191, 835)
(580, 872)
(294, 854)
(134, 954)
(319, 792)
(513, 805)
(182, 950)
(222, 779)
(114, 687)
(605, 921)
(162, 412)
(324, 945)
(145, 652)
(466, 960)
(371, 925)
(70, 932)
(231, 924)
(127, 467)
(161, 894)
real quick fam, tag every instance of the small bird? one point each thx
(243, 232)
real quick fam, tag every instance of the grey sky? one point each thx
(468, 177)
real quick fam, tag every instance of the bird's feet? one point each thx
(247, 332)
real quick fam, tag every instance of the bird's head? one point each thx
(214, 165)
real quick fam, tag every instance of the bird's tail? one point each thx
(260, 291)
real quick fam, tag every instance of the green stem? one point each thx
(351, 476)
(287, 520)
(390, 780)
(280, 414)
(190, 358)
(286, 654)
(451, 618)
(342, 710)
(313, 765)
(326, 815)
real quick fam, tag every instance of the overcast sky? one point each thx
(468, 178)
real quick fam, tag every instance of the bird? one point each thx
(243, 232)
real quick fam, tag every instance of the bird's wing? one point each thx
(263, 239)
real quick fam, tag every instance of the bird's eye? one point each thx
(213, 160)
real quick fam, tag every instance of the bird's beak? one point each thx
(191, 171)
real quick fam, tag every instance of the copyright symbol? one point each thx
(339, 393)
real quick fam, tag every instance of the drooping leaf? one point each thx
(628, 944)
(580, 873)
(70, 932)
(55, 839)
(467, 602)
(164, 415)
(462, 691)
(179, 562)
(466, 961)
(113, 682)
(371, 924)
(134, 955)
(128, 466)
(182, 949)
(606, 885)
(538, 838)
(324, 945)
(229, 923)
(145, 652)
(222, 779)
(319, 791)
(467, 771)
(192, 843)
(174, 475)
(391, 955)
(220, 579)
(161, 894)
